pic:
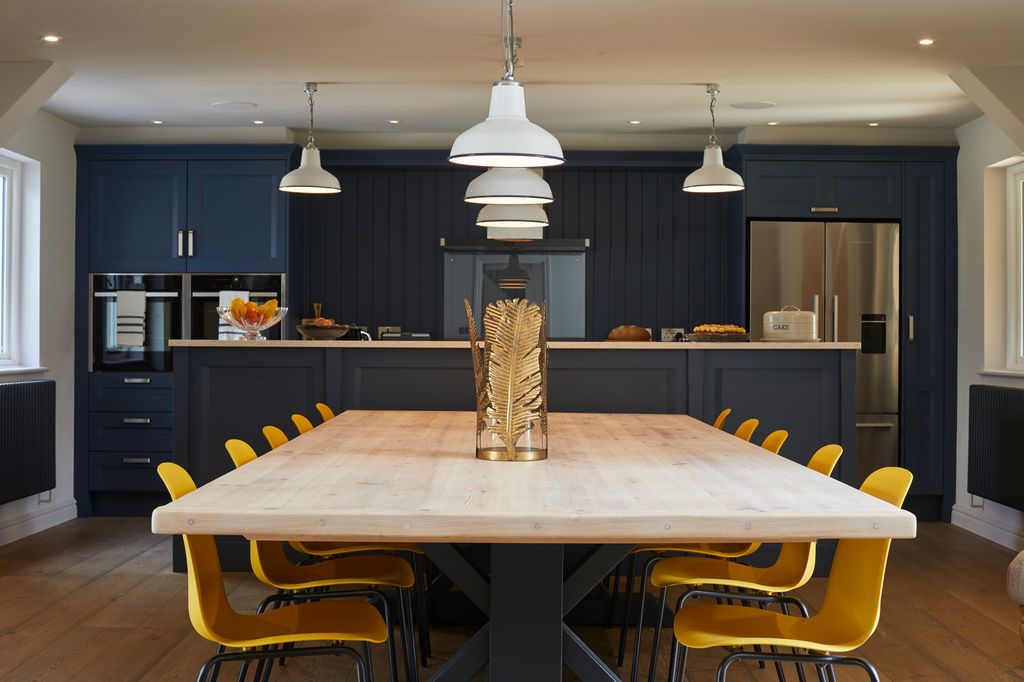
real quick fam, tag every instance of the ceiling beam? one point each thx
(24, 88)
(999, 92)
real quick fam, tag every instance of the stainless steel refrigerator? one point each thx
(849, 274)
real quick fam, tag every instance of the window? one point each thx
(10, 192)
(1015, 242)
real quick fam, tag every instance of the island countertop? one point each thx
(553, 345)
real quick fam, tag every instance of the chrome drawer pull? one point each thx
(824, 209)
(136, 460)
(135, 420)
(872, 425)
(137, 380)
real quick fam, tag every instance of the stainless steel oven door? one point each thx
(163, 322)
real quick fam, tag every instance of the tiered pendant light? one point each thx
(509, 186)
(713, 176)
(310, 177)
(512, 215)
(507, 139)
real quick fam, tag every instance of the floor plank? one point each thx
(95, 599)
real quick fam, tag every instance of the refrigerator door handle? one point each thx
(910, 328)
(835, 317)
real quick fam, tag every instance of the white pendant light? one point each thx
(310, 177)
(713, 176)
(515, 234)
(512, 216)
(507, 139)
(509, 186)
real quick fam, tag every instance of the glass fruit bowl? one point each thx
(252, 326)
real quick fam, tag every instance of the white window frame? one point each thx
(10, 235)
(1015, 267)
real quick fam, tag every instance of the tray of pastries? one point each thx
(718, 332)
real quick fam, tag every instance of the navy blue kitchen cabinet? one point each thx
(137, 215)
(856, 190)
(188, 212)
(237, 217)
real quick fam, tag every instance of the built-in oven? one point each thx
(207, 292)
(131, 320)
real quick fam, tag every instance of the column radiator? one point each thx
(995, 452)
(27, 439)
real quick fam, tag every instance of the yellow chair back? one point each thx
(302, 423)
(746, 429)
(275, 436)
(720, 420)
(239, 451)
(774, 440)
(325, 411)
(853, 597)
(825, 458)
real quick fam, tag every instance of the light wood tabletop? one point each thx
(609, 478)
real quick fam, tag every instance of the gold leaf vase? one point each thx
(510, 373)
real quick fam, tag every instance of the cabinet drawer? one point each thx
(130, 431)
(126, 471)
(130, 392)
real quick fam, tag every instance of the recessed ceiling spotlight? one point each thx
(926, 41)
(635, 123)
(158, 123)
(233, 105)
(259, 123)
(764, 104)
(773, 123)
(393, 121)
(874, 125)
(51, 38)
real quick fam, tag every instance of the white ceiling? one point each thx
(589, 65)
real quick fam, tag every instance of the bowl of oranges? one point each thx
(252, 318)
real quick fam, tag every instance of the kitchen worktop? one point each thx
(553, 345)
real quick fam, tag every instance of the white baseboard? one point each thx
(968, 519)
(27, 524)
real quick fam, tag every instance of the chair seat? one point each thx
(712, 625)
(725, 550)
(327, 620)
(322, 549)
(782, 576)
(370, 569)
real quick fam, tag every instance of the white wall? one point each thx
(48, 141)
(981, 308)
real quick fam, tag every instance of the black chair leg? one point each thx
(613, 589)
(634, 665)
(422, 626)
(656, 644)
(630, 579)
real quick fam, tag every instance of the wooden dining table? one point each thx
(611, 481)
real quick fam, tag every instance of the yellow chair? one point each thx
(275, 436)
(773, 441)
(302, 423)
(720, 420)
(240, 452)
(847, 619)
(326, 413)
(746, 429)
(214, 619)
(822, 461)
(792, 569)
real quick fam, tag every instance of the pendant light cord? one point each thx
(509, 48)
(713, 91)
(310, 89)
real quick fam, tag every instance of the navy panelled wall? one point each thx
(373, 253)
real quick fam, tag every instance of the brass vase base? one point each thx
(500, 454)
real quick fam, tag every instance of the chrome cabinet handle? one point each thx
(181, 243)
(135, 420)
(137, 380)
(136, 460)
(191, 243)
(824, 209)
(910, 328)
(873, 425)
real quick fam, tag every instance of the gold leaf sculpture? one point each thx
(511, 379)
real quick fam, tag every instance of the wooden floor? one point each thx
(95, 599)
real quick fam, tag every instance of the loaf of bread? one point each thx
(629, 332)
(719, 329)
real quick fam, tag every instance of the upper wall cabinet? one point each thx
(862, 190)
(213, 215)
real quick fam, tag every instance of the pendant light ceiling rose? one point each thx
(310, 177)
(507, 138)
(512, 216)
(509, 186)
(713, 176)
